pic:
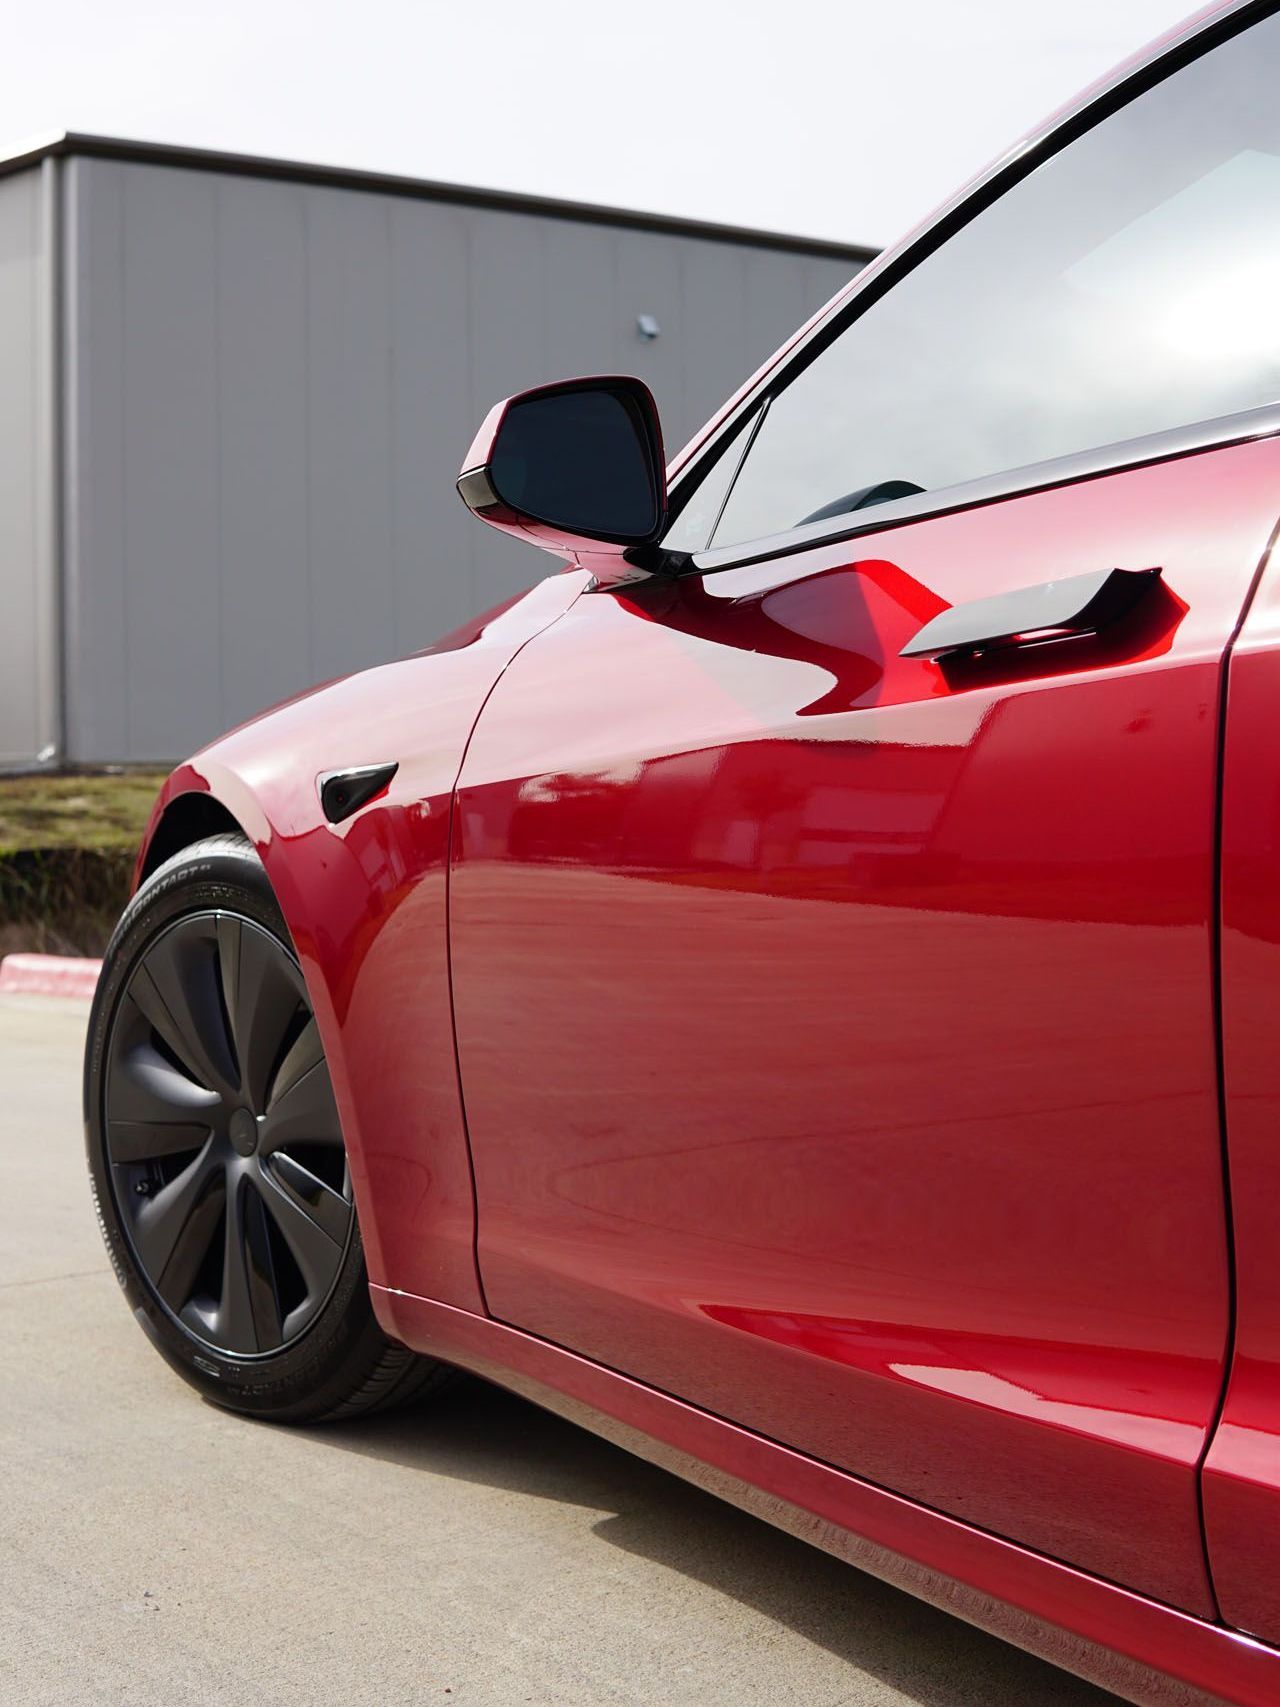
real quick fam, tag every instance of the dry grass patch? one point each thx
(67, 846)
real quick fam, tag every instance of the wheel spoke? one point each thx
(305, 1113)
(235, 1307)
(326, 1207)
(144, 1090)
(304, 1054)
(249, 1317)
(263, 990)
(228, 933)
(172, 1230)
(178, 1281)
(140, 1141)
(315, 1251)
(176, 990)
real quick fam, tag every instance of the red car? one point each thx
(799, 990)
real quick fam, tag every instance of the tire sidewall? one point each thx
(223, 873)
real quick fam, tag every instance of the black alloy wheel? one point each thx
(216, 1154)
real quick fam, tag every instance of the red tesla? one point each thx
(798, 991)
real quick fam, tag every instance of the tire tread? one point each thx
(398, 1377)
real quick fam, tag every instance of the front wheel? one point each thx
(216, 1155)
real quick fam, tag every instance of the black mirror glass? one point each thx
(583, 460)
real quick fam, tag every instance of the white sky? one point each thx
(844, 120)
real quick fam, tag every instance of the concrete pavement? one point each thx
(474, 1553)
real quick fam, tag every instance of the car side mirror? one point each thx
(572, 467)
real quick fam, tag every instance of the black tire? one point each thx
(224, 1199)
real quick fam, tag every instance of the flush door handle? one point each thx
(1032, 616)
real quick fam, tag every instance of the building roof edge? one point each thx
(72, 143)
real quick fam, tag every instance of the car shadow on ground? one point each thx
(483, 1435)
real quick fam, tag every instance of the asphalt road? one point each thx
(474, 1553)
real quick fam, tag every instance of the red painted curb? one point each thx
(48, 975)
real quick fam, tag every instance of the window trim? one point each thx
(748, 440)
(1131, 79)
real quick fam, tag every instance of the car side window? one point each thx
(1128, 285)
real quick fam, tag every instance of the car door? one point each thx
(836, 1026)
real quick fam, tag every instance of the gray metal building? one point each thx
(233, 398)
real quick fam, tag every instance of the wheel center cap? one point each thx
(244, 1132)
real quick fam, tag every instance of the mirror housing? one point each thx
(576, 468)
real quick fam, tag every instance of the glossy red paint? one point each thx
(837, 1033)
(1242, 1473)
(366, 904)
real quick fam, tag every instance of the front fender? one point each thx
(366, 904)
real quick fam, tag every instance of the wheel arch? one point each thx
(186, 819)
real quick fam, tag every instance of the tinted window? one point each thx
(1128, 285)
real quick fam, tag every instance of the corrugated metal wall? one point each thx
(28, 595)
(269, 387)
